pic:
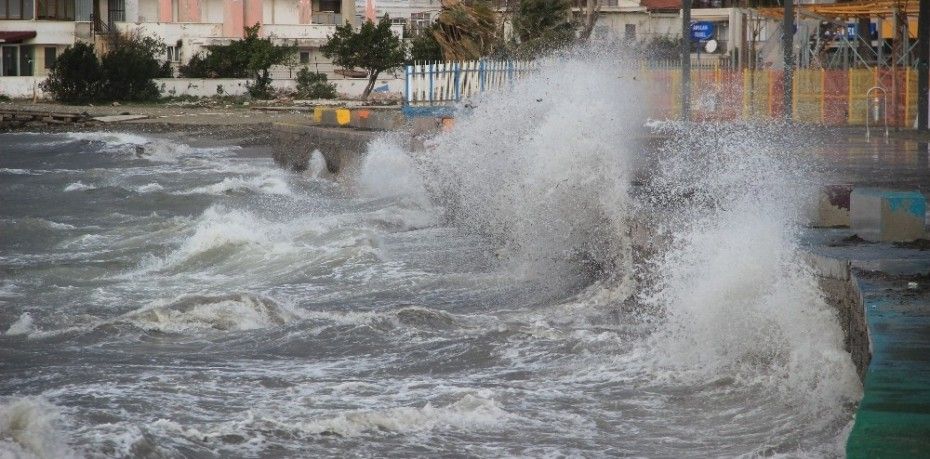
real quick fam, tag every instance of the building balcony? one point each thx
(299, 31)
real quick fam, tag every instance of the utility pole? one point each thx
(923, 59)
(686, 60)
(787, 43)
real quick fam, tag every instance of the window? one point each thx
(55, 9)
(25, 60)
(51, 53)
(305, 57)
(172, 53)
(16, 9)
(116, 11)
(419, 22)
(16, 60)
(8, 60)
(333, 6)
(629, 32)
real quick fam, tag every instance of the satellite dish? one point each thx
(710, 46)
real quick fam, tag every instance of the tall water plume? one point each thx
(543, 168)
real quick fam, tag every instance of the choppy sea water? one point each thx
(481, 298)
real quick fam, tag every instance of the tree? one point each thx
(588, 18)
(543, 25)
(261, 54)
(373, 48)
(425, 48)
(250, 57)
(75, 76)
(466, 29)
(129, 67)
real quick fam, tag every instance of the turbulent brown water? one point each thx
(480, 298)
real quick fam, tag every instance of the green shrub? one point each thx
(129, 66)
(261, 88)
(75, 77)
(124, 73)
(425, 48)
(250, 57)
(220, 61)
(313, 85)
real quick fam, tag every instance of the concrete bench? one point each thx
(833, 207)
(887, 216)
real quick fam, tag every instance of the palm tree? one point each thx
(466, 29)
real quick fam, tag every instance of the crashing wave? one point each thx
(232, 312)
(264, 184)
(29, 428)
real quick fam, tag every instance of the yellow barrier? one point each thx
(834, 97)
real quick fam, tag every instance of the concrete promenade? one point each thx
(893, 419)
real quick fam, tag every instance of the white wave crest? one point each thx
(149, 188)
(545, 176)
(23, 326)
(107, 138)
(152, 149)
(5, 170)
(29, 428)
(737, 298)
(264, 184)
(219, 228)
(316, 166)
(469, 412)
(201, 312)
(388, 171)
(79, 186)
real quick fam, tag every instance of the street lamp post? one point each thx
(686, 60)
(788, 45)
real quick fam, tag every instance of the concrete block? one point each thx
(887, 216)
(343, 116)
(833, 207)
(377, 119)
(329, 117)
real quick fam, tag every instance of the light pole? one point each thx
(923, 65)
(788, 44)
(686, 60)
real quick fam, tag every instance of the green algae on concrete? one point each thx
(893, 419)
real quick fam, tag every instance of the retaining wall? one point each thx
(292, 145)
(841, 291)
(27, 87)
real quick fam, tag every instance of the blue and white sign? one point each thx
(851, 30)
(702, 30)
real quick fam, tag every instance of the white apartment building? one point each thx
(34, 32)
(414, 15)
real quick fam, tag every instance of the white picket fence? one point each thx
(447, 82)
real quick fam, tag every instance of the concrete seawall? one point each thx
(293, 143)
(841, 291)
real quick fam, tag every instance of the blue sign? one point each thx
(852, 28)
(702, 31)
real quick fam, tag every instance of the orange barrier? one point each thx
(820, 96)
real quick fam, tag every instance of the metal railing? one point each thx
(449, 82)
(100, 27)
